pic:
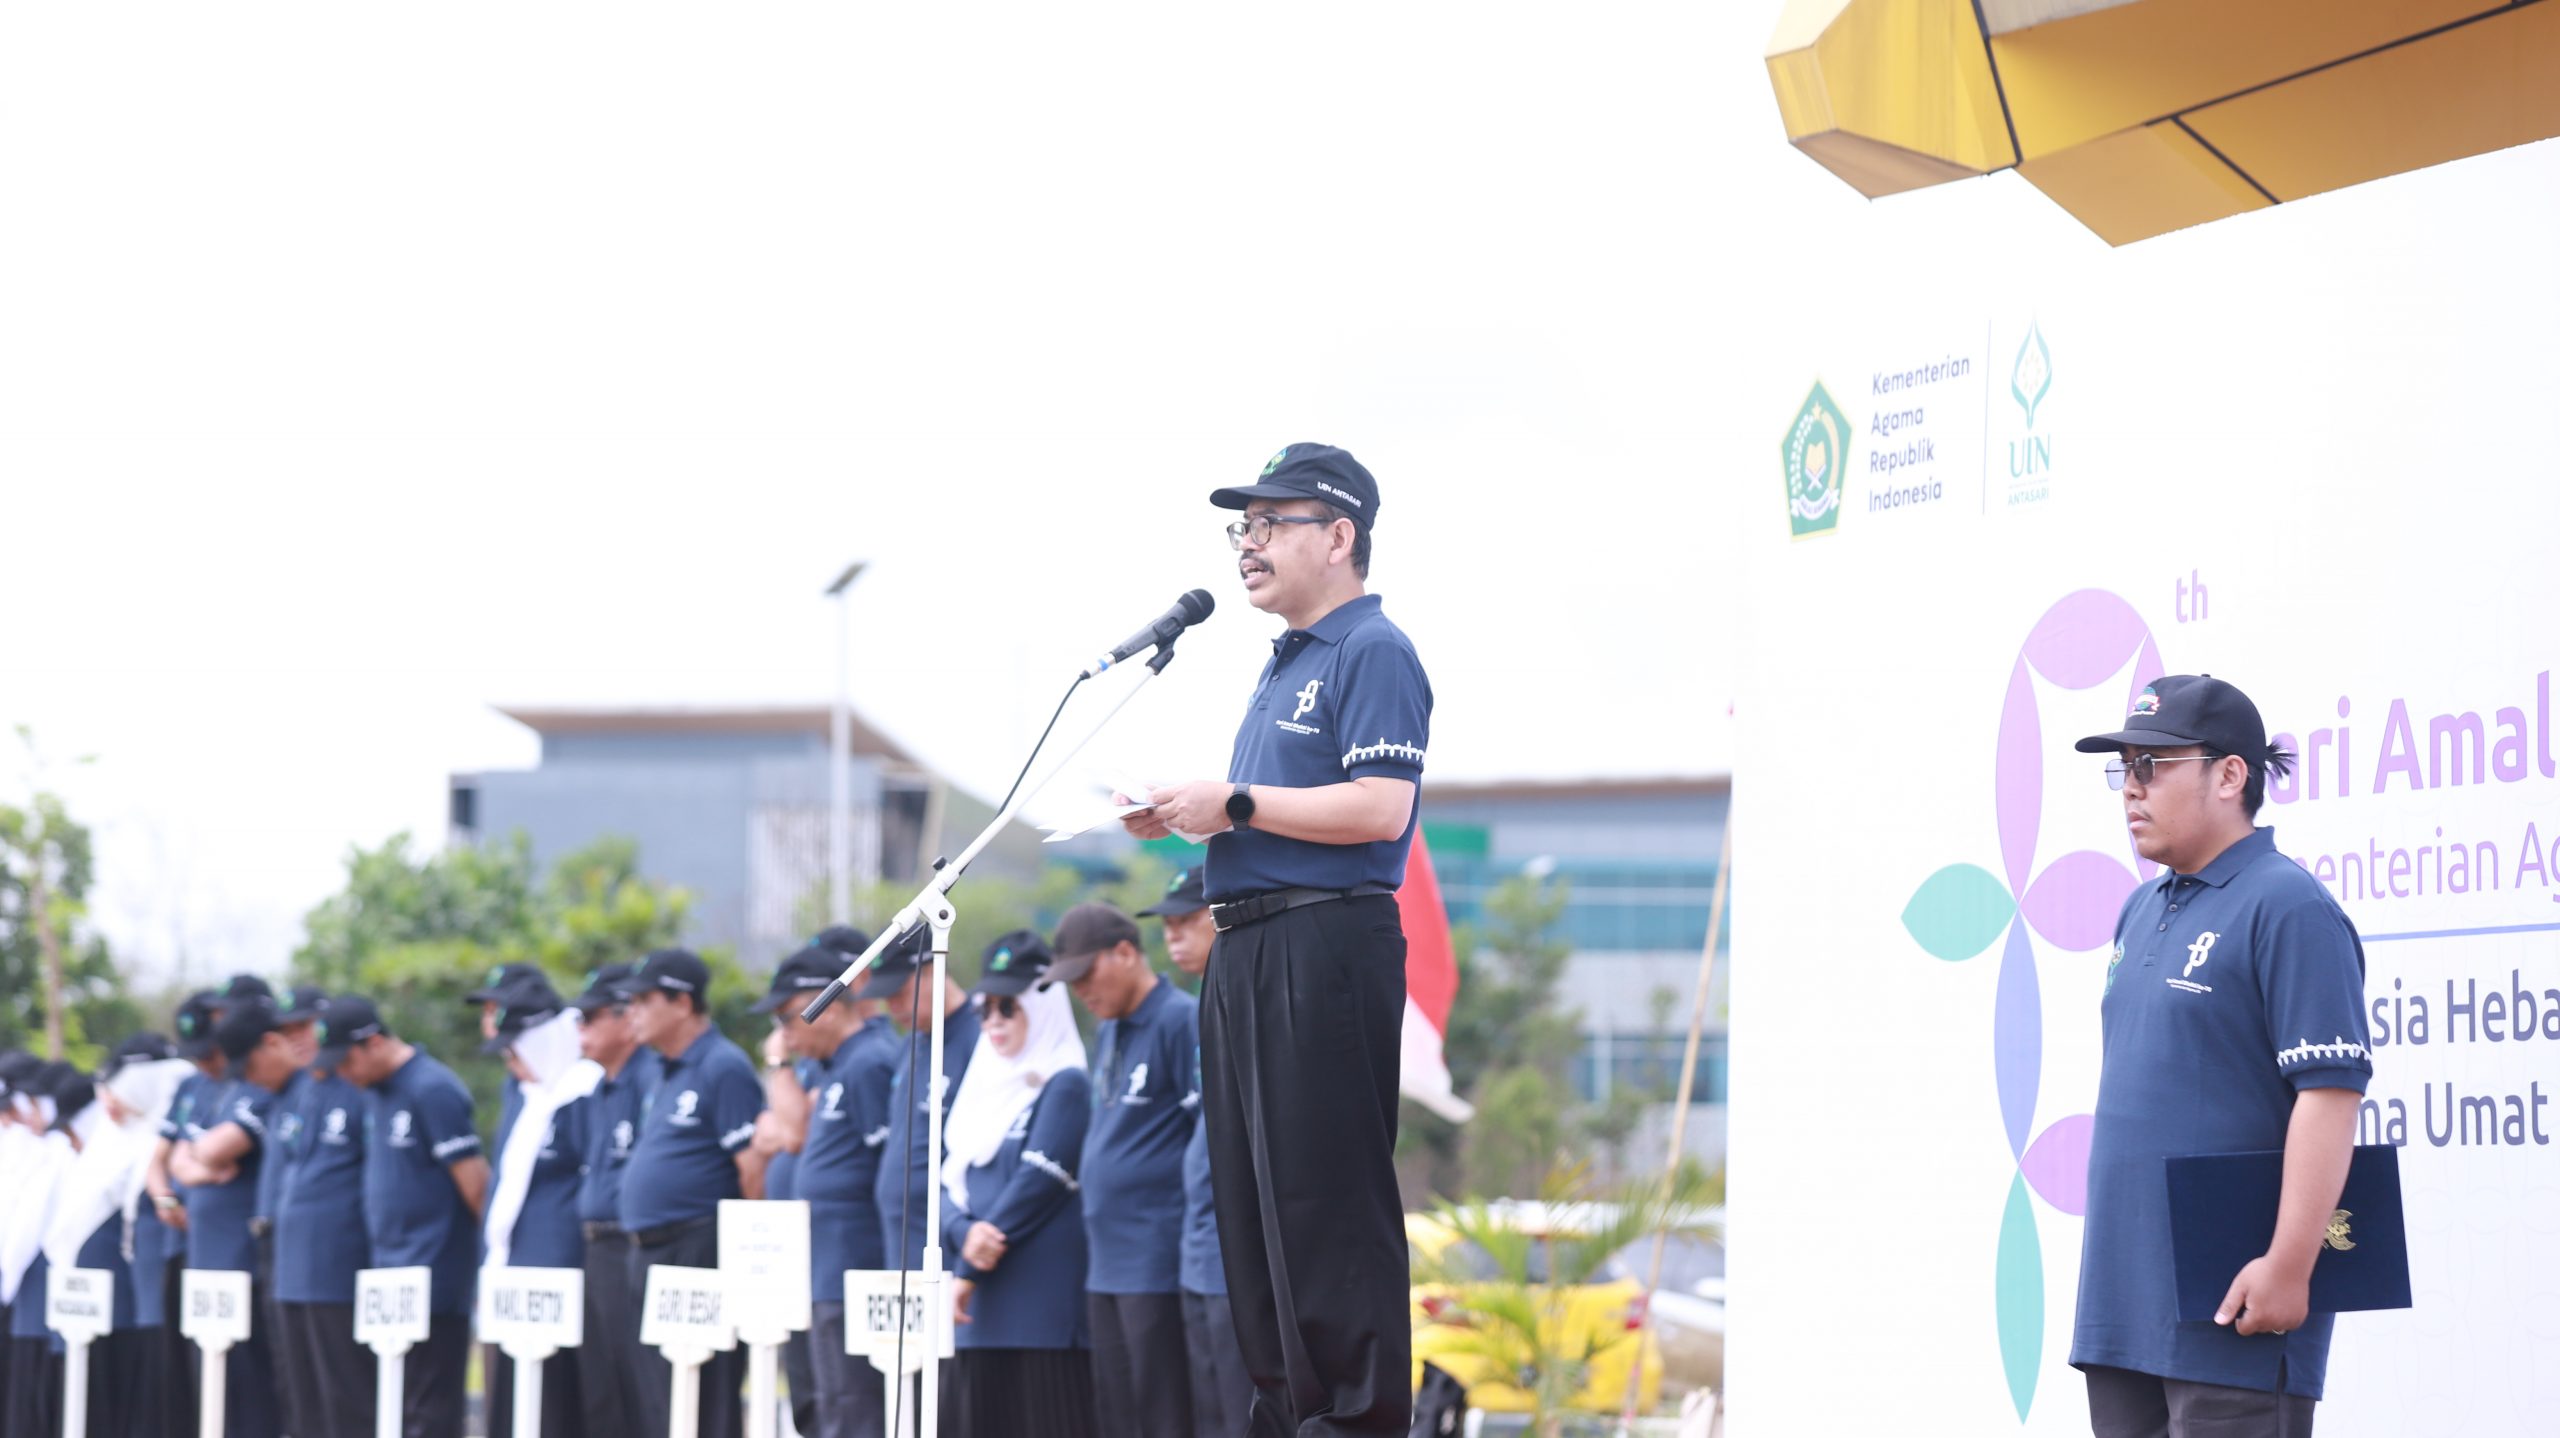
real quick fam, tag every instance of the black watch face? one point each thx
(1239, 806)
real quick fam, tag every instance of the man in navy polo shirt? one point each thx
(853, 1055)
(221, 1161)
(1307, 841)
(907, 1165)
(1221, 1390)
(196, 1097)
(1144, 1113)
(320, 1247)
(300, 1010)
(425, 1181)
(2234, 1021)
(696, 1147)
(603, 1126)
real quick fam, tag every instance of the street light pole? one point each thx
(840, 758)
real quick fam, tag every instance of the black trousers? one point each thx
(35, 1383)
(1301, 1020)
(609, 1360)
(177, 1355)
(853, 1396)
(697, 1246)
(1141, 1369)
(338, 1377)
(1221, 1391)
(563, 1411)
(282, 1361)
(801, 1378)
(2126, 1404)
(434, 1380)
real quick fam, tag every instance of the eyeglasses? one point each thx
(2142, 765)
(1257, 527)
(1003, 1006)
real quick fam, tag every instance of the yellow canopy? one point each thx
(2145, 116)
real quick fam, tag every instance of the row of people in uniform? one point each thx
(299, 1138)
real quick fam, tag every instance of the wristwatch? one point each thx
(1240, 806)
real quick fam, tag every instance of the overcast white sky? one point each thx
(362, 368)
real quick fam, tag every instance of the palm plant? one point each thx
(1513, 1280)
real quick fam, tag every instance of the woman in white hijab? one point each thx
(57, 1103)
(94, 1201)
(532, 1220)
(1014, 1214)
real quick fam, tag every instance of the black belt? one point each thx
(667, 1232)
(261, 1227)
(602, 1228)
(1281, 901)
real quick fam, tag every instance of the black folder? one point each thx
(2222, 1216)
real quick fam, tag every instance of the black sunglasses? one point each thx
(1003, 1006)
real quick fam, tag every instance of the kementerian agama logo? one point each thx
(1815, 456)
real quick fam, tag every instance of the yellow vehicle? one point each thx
(1510, 1341)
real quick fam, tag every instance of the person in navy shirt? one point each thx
(852, 1056)
(168, 1198)
(532, 1216)
(425, 1181)
(1012, 1211)
(1221, 1390)
(300, 1010)
(1144, 1113)
(695, 1148)
(1307, 837)
(601, 1128)
(321, 1245)
(2234, 1021)
(780, 1130)
(900, 977)
(221, 1165)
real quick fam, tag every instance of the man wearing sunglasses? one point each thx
(1302, 1013)
(603, 1126)
(2234, 1021)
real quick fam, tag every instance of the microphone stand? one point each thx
(932, 908)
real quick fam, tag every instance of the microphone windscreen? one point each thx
(1196, 605)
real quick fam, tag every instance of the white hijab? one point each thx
(40, 1168)
(147, 1090)
(90, 1188)
(549, 1050)
(997, 1090)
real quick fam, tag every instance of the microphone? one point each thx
(1190, 609)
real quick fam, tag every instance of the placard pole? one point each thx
(684, 1401)
(75, 1387)
(391, 1364)
(529, 1395)
(762, 1399)
(214, 1392)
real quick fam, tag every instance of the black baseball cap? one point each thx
(889, 971)
(2189, 709)
(195, 1022)
(674, 971)
(301, 1004)
(1311, 471)
(1085, 931)
(70, 1089)
(843, 939)
(345, 1021)
(1013, 963)
(139, 1048)
(606, 987)
(800, 976)
(493, 989)
(15, 1067)
(1183, 894)
(243, 1024)
(523, 1003)
(241, 987)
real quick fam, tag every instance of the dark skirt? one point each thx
(1020, 1393)
(35, 1385)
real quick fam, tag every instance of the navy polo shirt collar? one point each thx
(2227, 865)
(694, 1050)
(1344, 618)
(1156, 999)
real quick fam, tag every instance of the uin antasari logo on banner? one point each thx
(2030, 452)
(1815, 457)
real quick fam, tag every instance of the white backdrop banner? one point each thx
(1995, 530)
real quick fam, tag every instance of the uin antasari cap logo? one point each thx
(1002, 961)
(2068, 906)
(2147, 704)
(2032, 375)
(1275, 461)
(1180, 877)
(1814, 456)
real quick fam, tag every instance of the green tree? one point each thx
(1510, 1047)
(415, 933)
(60, 992)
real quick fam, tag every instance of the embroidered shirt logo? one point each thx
(1307, 698)
(684, 1116)
(2336, 1048)
(622, 1139)
(835, 1102)
(2197, 953)
(1371, 753)
(336, 1131)
(400, 1135)
(1137, 1083)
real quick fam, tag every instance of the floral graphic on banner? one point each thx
(2070, 904)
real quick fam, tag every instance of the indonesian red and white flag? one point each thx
(1430, 986)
